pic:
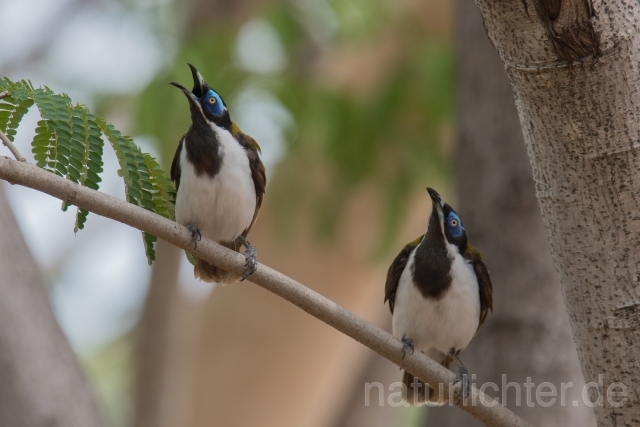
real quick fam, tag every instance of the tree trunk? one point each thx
(165, 345)
(574, 71)
(528, 334)
(41, 383)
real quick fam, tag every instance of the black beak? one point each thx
(437, 201)
(435, 196)
(194, 104)
(198, 81)
(190, 96)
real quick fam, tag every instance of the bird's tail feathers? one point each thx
(417, 393)
(414, 390)
(212, 274)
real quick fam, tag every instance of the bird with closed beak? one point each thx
(219, 177)
(439, 293)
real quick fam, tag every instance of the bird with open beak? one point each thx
(439, 293)
(219, 177)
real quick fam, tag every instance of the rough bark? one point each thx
(528, 334)
(41, 383)
(574, 71)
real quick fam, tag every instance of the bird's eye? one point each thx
(212, 100)
(454, 222)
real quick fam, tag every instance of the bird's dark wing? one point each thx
(257, 169)
(175, 165)
(395, 271)
(484, 282)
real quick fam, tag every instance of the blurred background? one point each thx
(358, 106)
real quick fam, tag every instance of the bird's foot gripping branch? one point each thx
(68, 151)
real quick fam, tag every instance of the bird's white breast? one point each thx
(437, 326)
(222, 206)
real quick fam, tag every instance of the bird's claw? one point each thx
(465, 385)
(196, 235)
(251, 256)
(407, 344)
(251, 262)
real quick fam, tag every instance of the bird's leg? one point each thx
(407, 344)
(462, 378)
(196, 235)
(251, 256)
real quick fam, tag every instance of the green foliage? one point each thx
(390, 137)
(68, 142)
(12, 109)
(145, 183)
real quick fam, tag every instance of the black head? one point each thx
(205, 103)
(448, 221)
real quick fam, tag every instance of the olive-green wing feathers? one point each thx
(257, 168)
(395, 271)
(484, 282)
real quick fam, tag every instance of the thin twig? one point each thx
(484, 408)
(16, 153)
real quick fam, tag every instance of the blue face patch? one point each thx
(454, 225)
(213, 102)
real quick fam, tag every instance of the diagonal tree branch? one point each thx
(14, 150)
(485, 409)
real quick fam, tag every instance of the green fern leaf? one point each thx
(90, 151)
(146, 185)
(149, 241)
(162, 189)
(7, 109)
(55, 150)
(68, 142)
(14, 107)
(11, 114)
(41, 144)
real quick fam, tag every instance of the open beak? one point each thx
(198, 81)
(190, 96)
(194, 103)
